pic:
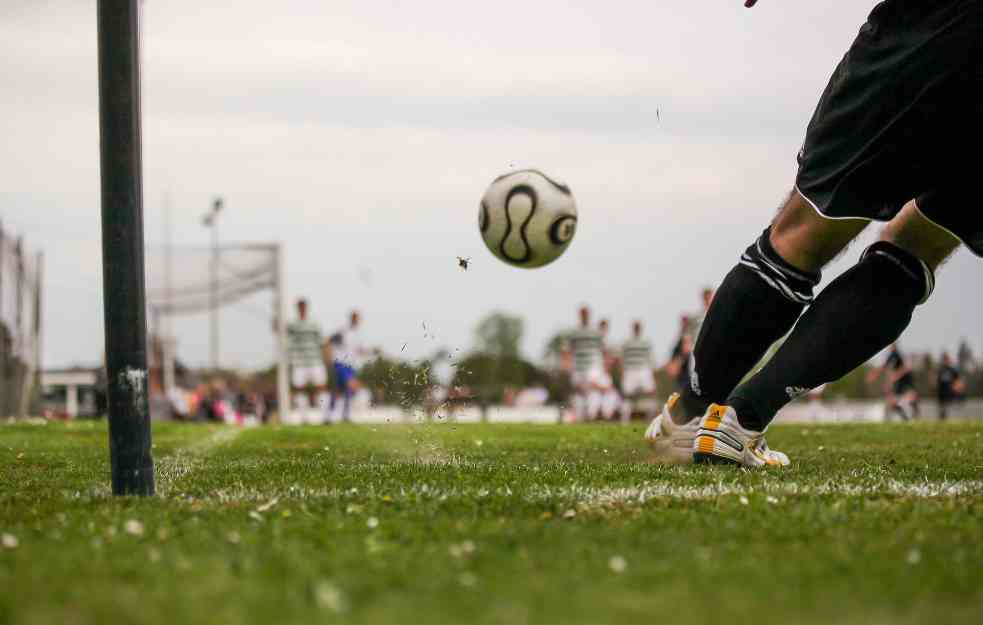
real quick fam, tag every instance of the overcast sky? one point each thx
(361, 135)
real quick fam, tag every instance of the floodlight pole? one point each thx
(124, 301)
(213, 298)
(280, 327)
(167, 347)
(211, 221)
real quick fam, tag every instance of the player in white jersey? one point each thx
(308, 376)
(637, 377)
(350, 355)
(586, 345)
(610, 398)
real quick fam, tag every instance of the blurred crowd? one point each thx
(586, 374)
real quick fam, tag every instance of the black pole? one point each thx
(122, 248)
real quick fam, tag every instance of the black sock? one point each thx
(755, 306)
(856, 316)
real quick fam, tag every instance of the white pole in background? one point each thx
(166, 339)
(280, 321)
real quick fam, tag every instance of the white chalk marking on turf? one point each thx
(608, 496)
(190, 459)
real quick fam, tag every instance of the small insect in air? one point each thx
(463, 262)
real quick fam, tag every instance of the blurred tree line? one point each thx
(484, 375)
(495, 365)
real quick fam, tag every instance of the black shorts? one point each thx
(905, 384)
(902, 119)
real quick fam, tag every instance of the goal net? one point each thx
(200, 281)
(20, 326)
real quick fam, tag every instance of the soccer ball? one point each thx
(527, 219)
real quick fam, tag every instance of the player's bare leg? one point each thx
(911, 231)
(856, 316)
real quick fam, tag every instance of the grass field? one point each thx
(491, 524)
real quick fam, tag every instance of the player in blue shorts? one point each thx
(349, 356)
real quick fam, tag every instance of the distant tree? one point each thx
(495, 365)
(925, 371)
(853, 386)
(556, 344)
(396, 382)
(488, 376)
(557, 380)
(974, 383)
(499, 334)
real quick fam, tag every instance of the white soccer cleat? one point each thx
(720, 439)
(671, 443)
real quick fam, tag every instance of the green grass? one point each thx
(437, 524)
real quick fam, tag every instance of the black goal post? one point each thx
(122, 248)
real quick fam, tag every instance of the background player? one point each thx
(879, 146)
(610, 398)
(678, 365)
(588, 367)
(350, 355)
(308, 377)
(696, 320)
(899, 388)
(949, 386)
(637, 377)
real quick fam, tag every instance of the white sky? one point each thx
(362, 134)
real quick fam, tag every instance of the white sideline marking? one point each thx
(190, 459)
(604, 496)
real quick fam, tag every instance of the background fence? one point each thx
(20, 326)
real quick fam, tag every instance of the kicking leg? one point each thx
(856, 316)
(760, 299)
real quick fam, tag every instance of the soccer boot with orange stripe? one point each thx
(671, 443)
(720, 439)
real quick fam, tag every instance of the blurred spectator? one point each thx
(949, 386)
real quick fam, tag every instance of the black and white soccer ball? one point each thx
(527, 219)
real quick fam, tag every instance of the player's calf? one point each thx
(756, 305)
(855, 317)
(913, 232)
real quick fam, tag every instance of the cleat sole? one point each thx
(705, 458)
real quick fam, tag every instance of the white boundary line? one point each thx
(190, 459)
(591, 496)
